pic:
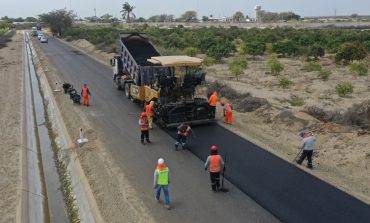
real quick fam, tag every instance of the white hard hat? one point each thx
(160, 161)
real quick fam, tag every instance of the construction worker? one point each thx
(150, 113)
(307, 145)
(212, 101)
(161, 181)
(144, 128)
(228, 113)
(85, 92)
(215, 164)
(183, 131)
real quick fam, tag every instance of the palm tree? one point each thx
(127, 11)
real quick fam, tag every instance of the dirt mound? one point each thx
(241, 102)
(289, 119)
(318, 113)
(358, 115)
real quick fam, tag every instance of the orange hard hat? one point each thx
(213, 147)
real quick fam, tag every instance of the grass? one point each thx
(312, 66)
(284, 82)
(296, 102)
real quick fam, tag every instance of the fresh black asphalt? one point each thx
(284, 190)
(287, 192)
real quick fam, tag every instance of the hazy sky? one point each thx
(218, 8)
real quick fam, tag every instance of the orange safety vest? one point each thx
(144, 124)
(85, 91)
(213, 100)
(149, 110)
(186, 132)
(215, 164)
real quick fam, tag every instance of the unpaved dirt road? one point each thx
(11, 111)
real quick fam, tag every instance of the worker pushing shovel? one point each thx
(183, 131)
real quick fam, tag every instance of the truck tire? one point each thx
(127, 90)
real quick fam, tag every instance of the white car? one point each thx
(43, 39)
(39, 36)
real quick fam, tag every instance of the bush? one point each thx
(312, 66)
(191, 51)
(324, 74)
(253, 48)
(296, 101)
(208, 61)
(237, 66)
(349, 52)
(222, 48)
(317, 51)
(284, 82)
(344, 88)
(275, 65)
(359, 68)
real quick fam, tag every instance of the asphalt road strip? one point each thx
(287, 192)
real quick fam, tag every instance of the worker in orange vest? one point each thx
(183, 131)
(228, 113)
(144, 128)
(215, 164)
(85, 92)
(149, 110)
(212, 101)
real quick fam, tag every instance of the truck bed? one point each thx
(140, 49)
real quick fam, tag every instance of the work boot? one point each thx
(148, 141)
(156, 199)
(168, 207)
(142, 142)
(176, 146)
(298, 162)
(309, 166)
(183, 146)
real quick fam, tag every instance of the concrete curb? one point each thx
(85, 201)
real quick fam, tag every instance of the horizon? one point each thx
(220, 8)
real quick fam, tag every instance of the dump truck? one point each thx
(170, 81)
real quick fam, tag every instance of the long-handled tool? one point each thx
(223, 189)
(299, 153)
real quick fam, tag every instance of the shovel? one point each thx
(223, 189)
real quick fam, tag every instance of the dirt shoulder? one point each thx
(115, 196)
(11, 122)
(342, 158)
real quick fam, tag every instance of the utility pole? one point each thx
(95, 12)
(335, 13)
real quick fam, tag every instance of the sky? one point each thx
(218, 8)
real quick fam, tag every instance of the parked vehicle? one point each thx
(43, 39)
(34, 31)
(39, 35)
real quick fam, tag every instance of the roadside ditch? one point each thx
(81, 206)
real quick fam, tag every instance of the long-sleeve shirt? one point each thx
(208, 161)
(308, 143)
